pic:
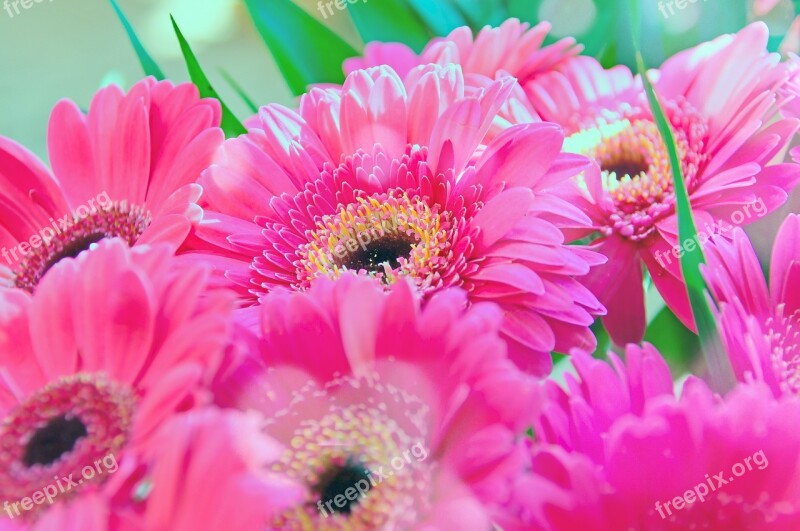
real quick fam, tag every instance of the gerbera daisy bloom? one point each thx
(513, 48)
(92, 364)
(759, 324)
(394, 415)
(718, 97)
(396, 179)
(126, 169)
(617, 450)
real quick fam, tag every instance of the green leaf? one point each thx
(240, 91)
(148, 64)
(441, 17)
(603, 340)
(305, 50)
(679, 346)
(480, 13)
(720, 371)
(230, 124)
(389, 21)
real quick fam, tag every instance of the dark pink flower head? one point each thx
(718, 97)
(398, 179)
(513, 48)
(126, 169)
(617, 450)
(416, 409)
(96, 360)
(759, 324)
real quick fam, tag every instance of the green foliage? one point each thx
(390, 20)
(305, 50)
(148, 64)
(720, 371)
(230, 124)
(675, 342)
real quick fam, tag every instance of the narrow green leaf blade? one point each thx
(679, 346)
(230, 124)
(305, 50)
(240, 91)
(149, 65)
(720, 371)
(389, 21)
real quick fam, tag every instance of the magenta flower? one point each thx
(717, 96)
(396, 179)
(617, 450)
(759, 324)
(126, 169)
(393, 415)
(92, 364)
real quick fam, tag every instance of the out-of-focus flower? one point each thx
(513, 48)
(616, 449)
(126, 169)
(212, 471)
(759, 324)
(396, 179)
(393, 415)
(91, 365)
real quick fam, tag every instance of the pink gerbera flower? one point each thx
(212, 471)
(616, 450)
(718, 98)
(394, 416)
(397, 179)
(513, 48)
(92, 364)
(123, 170)
(760, 325)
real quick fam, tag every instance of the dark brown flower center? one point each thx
(372, 256)
(341, 481)
(69, 237)
(53, 440)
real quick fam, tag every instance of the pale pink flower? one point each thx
(415, 408)
(513, 48)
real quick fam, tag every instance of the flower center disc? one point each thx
(359, 462)
(636, 171)
(67, 239)
(59, 430)
(385, 237)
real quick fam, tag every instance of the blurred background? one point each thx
(69, 48)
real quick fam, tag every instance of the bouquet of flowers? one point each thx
(476, 277)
